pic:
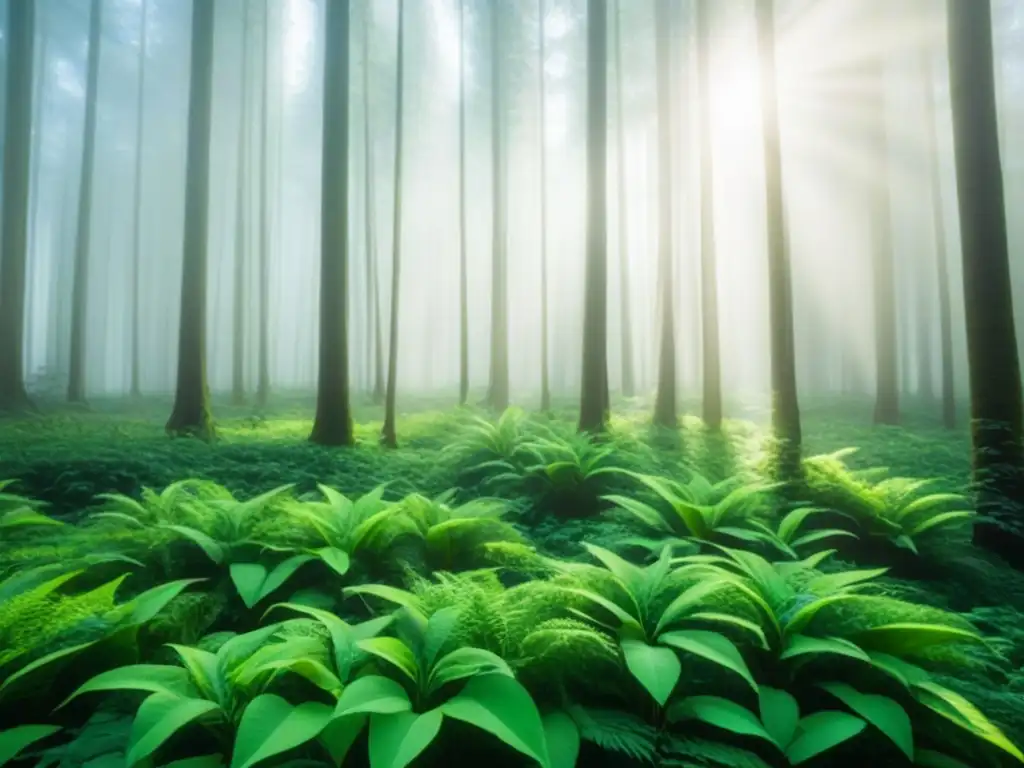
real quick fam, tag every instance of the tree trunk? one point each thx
(16, 180)
(665, 407)
(996, 410)
(238, 297)
(333, 422)
(712, 363)
(263, 341)
(375, 341)
(463, 256)
(80, 289)
(140, 100)
(593, 391)
(191, 414)
(498, 392)
(545, 372)
(626, 320)
(389, 435)
(785, 402)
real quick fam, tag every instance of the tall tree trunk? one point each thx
(36, 165)
(389, 435)
(626, 319)
(191, 414)
(16, 180)
(80, 289)
(665, 406)
(463, 256)
(375, 341)
(498, 394)
(140, 100)
(545, 372)
(997, 427)
(263, 340)
(712, 364)
(887, 381)
(593, 391)
(238, 292)
(785, 402)
(333, 422)
(941, 263)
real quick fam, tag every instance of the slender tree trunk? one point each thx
(498, 395)
(80, 290)
(333, 422)
(463, 247)
(712, 364)
(375, 341)
(665, 406)
(941, 263)
(140, 100)
(191, 414)
(626, 320)
(263, 340)
(997, 426)
(785, 402)
(389, 435)
(545, 372)
(238, 297)
(16, 180)
(35, 183)
(593, 392)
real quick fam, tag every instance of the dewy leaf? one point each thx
(502, 707)
(397, 740)
(14, 740)
(373, 694)
(159, 717)
(563, 739)
(271, 725)
(881, 711)
(821, 732)
(657, 668)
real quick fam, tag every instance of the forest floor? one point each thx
(67, 458)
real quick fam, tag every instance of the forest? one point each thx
(527, 383)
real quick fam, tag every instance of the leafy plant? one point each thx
(787, 536)
(487, 450)
(14, 741)
(18, 512)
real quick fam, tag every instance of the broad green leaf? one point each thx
(254, 582)
(373, 694)
(271, 725)
(816, 536)
(563, 739)
(630, 576)
(203, 667)
(655, 667)
(733, 621)
(154, 678)
(400, 597)
(466, 662)
(624, 618)
(27, 516)
(310, 669)
(687, 601)
(645, 513)
(792, 522)
(780, 714)
(336, 559)
(910, 638)
(959, 710)
(14, 741)
(821, 732)
(51, 663)
(394, 652)
(801, 618)
(340, 734)
(881, 711)
(946, 518)
(397, 740)
(501, 706)
(831, 583)
(439, 628)
(711, 646)
(159, 717)
(146, 606)
(721, 713)
(213, 549)
(804, 645)
(927, 758)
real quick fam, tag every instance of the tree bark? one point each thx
(263, 339)
(626, 319)
(238, 297)
(191, 414)
(140, 100)
(498, 391)
(785, 401)
(333, 422)
(997, 426)
(16, 180)
(374, 341)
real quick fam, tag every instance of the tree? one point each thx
(545, 374)
(463, 256)
(374, 340)
(191, 414)
(665, 406)
(238, 291)
(785, 402)
(626, 320)
(80, 289)
(997, 413)
(708, 263)
(498, 392)
(333, 422)
(389, 436)
(263, 336)
(140, 100)
(14, 256)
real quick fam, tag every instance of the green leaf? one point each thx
(206, 761)
(563, 739)
(14, 740)
(928, 758)
(804, 645)
(26, 516)
(146, 606)
(711, 646)
(821, 732)
(439, 628)
(400, 597)
(335, 559)
(816, 536)
(340, 734)
(51, 662)
(624, 618)
(373, 694)
(959, 710)
(501, 706)
(159, 717)
(394, 652)
(271, 725)
(780, 714)
(645, 513)
(656, 668)
(881, 711)
(203, 667)
(792, 522)
(911, 638)
(254, 583)
(687, 601)
(466, 662)
(733, 621)
(799, 620)
(721, 713)
(398, 739)
(213, 549)
(153, 678)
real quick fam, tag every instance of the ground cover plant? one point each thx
(500, 589)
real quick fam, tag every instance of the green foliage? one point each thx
(14, 741)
